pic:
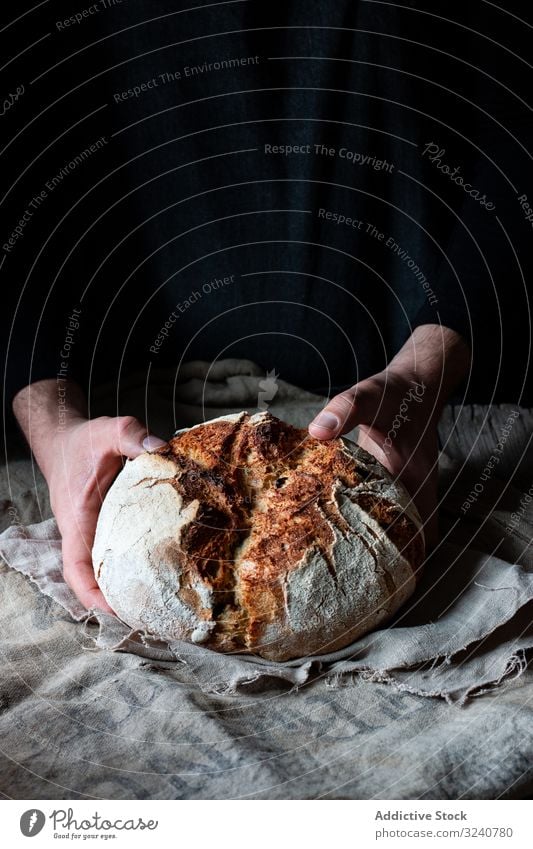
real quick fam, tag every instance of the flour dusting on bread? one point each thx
(246, 534)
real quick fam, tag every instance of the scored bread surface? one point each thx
(245, 534)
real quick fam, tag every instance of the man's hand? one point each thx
(79, 460)
(397, 412)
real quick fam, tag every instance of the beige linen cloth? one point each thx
(468, 626)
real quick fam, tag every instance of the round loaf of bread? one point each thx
(245, 534)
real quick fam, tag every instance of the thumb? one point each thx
(345, 411)
(130, 437)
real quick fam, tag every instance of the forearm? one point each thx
(44, 410)
(437, 357)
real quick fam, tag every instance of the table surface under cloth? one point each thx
(78, 721)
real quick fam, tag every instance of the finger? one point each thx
(129, 436)
(81, 580)
(151, 442)
(79, 573)
(344, 412)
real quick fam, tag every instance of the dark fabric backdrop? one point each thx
(182, 192)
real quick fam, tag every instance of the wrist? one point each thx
(46, 412)
(436, 357)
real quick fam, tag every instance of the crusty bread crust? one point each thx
(281, 522)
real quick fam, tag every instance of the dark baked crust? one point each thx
(266, 495)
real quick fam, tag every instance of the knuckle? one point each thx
(73, 567)
(67, 574)
(343, 403)
(127, 424)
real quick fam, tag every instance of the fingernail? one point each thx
(325, 420)
(150, 443)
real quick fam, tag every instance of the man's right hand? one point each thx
(79, 461)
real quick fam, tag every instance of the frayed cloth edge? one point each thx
(515, 666)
